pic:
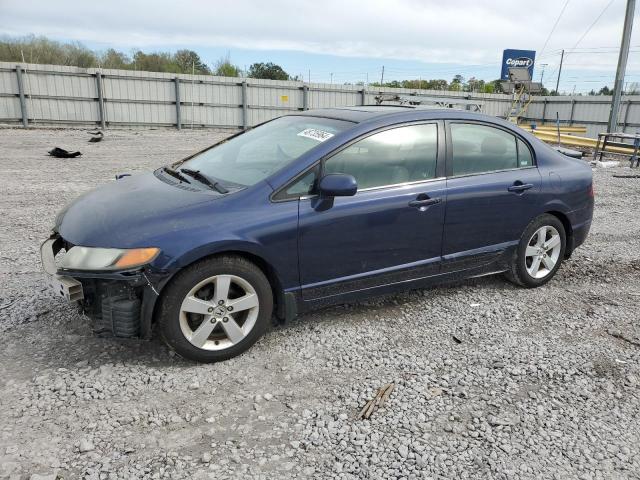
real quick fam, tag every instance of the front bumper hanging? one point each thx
(67, 287)
(119, 303)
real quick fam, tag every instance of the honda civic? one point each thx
(312, 209)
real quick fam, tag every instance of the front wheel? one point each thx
(216, 309)
(540, 252)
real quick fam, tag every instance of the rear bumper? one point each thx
(120, 303)
(580, 226)
(580, 233)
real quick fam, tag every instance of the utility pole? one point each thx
(331, 78)
(559, 72)
(309, 77)
(543, 65)
(382, 76)
(622, 65)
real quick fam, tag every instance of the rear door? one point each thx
(391, 230)
(493, 188)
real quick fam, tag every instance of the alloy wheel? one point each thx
(219, 312)
(543, 251)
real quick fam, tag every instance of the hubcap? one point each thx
(219, 312)
(543, 251)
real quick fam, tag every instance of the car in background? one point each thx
(312, 209)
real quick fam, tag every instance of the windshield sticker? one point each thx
(315, 134)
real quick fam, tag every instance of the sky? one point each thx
(350, 40)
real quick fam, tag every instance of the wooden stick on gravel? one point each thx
(380, 398)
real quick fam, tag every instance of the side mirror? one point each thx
(338, 185)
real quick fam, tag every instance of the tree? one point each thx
(33, 49)
(457, 83)
(155, 62)
(114, 59)
(268, 70)
(440, 84)
(604, 91)
(78, 55)
(633, 89)
(224, 68)
(189, 61)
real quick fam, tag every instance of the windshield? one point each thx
(253, 156)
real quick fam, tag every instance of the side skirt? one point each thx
(499, 263)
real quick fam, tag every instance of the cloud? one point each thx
(457, 31)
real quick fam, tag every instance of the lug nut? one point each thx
(214, 320)
(220, 302)
(225, 319)
(210, 309)
(230, 309)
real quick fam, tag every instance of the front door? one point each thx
(391, 230)
(492, 193)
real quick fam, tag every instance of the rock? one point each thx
(403, 450)
(206, 457)
(86, 445)
(504, 420)
(44, 476)
(11, 450)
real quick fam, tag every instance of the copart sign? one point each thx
(517, 58)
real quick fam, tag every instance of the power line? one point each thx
(554, 27)
(592, 25)
(587, 31)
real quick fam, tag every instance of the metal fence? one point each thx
(53, 95)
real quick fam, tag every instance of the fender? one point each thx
(236, 246)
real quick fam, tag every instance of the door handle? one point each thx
(424, 202)
(520, 187)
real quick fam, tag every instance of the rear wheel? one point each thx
(540, 252)
(216, 309)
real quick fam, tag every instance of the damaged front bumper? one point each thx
(67, 287)
(119, 303)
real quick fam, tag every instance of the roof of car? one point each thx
(363, 113)
(356, 114)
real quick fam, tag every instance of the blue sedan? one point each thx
(313, 209)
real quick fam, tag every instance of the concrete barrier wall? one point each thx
(53, 95)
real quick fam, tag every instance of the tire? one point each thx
(523, 270)
(199, 326)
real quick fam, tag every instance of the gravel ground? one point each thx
(544, 384)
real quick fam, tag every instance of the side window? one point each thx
(524, 155)
(304, 185)
(479, 148)
(398, 155)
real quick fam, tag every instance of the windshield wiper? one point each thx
(202, 178)
(176, 174)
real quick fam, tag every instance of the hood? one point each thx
(127, 211)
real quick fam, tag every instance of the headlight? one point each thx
(89, 258)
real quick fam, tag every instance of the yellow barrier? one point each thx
(551, 137)
(553, 128)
